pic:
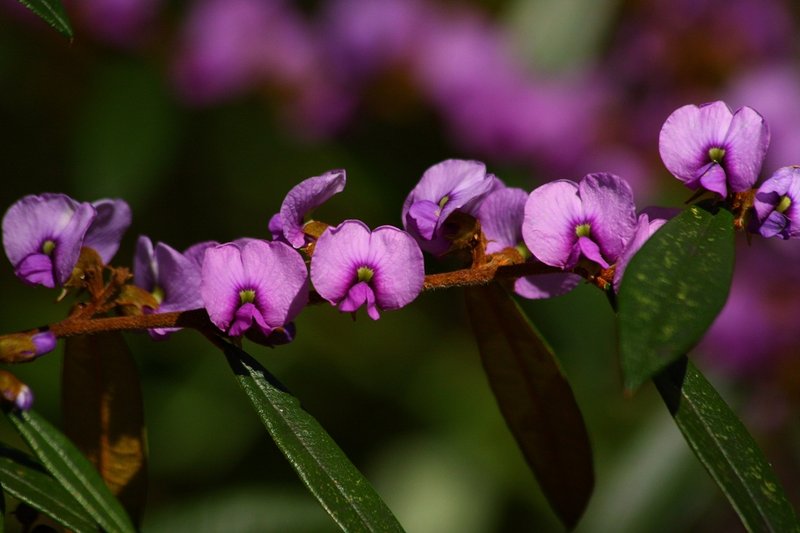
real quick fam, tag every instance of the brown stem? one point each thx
(198, 318)
(195, 318)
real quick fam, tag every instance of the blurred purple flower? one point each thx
(708, 146)
(353, 266)
(172, 278)
(594, 219)
(123, 23)
(230, 46)
(253, 287)
(491, 100)
(446, 187)
(758, 325)
(773, 90)
(365, 36)
(43, 234)
(776, 204)
(287, 225)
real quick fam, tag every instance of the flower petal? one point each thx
(590, 250)
(197, 252)
(551, 214)
(745, 148)
(608, 207)
(37, 269)
(338, 254)
(399, 268)
(245, 317)
(180, 278)
(774, 226)
(278, 274)
(304, 197)
(714, 179)
(145, 268)
(222, 276)
(546, 285)
(112, 220)
(359, 294)
(501, 214)
(687, 135)
(425, 215)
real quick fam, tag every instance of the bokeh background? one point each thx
(203, 114)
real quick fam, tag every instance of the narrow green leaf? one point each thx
(725, 448)
(25, 479)
(535, 399)
(672, 291)
(322, 466)
(52, 12)
(75, 473)
(104, 414)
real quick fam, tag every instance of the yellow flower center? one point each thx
(716, 154)
(48, 246)
(784, 204)
(247, 296)
(365, 273)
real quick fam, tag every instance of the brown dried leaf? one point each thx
(103, 413)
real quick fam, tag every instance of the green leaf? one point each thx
(725, 448)
(104, 415)
(535, 399)
(25, 479)
(52, 12)
(322, 466)
(75, 473)
(673, 289)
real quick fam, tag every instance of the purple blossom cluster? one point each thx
(256, 287)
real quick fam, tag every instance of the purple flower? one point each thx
(43, 234)
(229, 47)
(172, 278)
(776, 204)
(287, 225)
(353, 266)
(501, 214)
(124, 23)
(710, 147)
(594, 219)
(450, 186)
(254, 287)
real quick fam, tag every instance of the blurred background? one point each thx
(203, 114)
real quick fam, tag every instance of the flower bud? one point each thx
(22, 347)
(14, 392)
